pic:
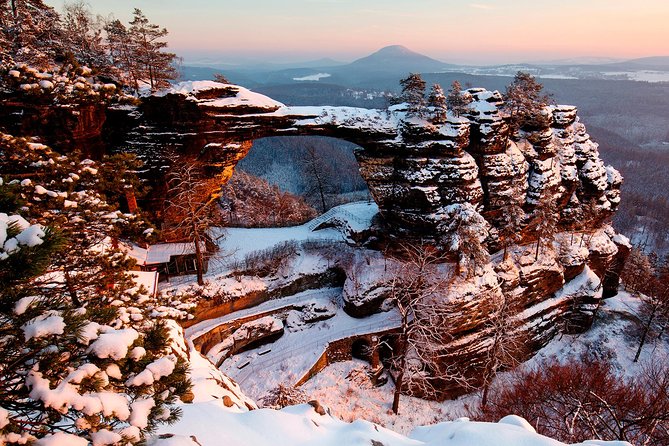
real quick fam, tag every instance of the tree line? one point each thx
(131, 54)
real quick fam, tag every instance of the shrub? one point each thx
(581, 400)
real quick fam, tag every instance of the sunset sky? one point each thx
(480, 31)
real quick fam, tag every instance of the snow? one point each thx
(4, 417)
(146, 279)
(105, 437)
(113, 344)
(156, 370)
(467, 433)
(295, 353)
(312, 77)
(61, 439)
(139, 417)
(44, 325)
(243, 96)
(515, 420)
(31, 236)
(160, 253)
(23, 304)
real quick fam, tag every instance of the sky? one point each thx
(456, 31)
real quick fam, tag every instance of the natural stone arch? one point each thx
(413, 169)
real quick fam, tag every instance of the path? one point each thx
(288, 359)
(324, 294)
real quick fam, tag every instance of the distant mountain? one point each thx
(397, 58)
(656, 61)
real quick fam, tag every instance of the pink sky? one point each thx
(478, 31)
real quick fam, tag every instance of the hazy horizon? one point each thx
(477, 32)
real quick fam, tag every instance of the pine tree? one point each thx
(465, 230)
(74, 364)
(456, 101)
(154, 65)
(82, 35)
(31, 31)
(437, 101)
(413, 93)
(121, 52)
(524, 100)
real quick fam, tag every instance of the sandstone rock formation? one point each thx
(414, 169)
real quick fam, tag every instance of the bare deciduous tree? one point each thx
(419, 358)
(585, 399)
(320, 179)
(191, 207)
(507, 345)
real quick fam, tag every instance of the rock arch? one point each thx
(414, 169)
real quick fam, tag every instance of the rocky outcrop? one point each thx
(414, 169)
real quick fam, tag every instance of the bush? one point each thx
(283, 396)
(269, 261)
(586, 399)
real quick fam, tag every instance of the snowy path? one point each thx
(293, 355)
(323, 295)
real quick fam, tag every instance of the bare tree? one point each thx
(584, 399)
(648, 281)
(319, 176)
(191, 207)
(420, 358)
(512, 221)
(82, 34)
(507, 345)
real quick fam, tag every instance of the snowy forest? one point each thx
(193, 263)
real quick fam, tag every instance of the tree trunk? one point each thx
(321, 192)
(399, 379)
(70, 289)
(536, 254)
(198, 261)
(646, 329)
(484, 397)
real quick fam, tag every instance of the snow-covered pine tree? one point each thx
(155, 66)
(82, 35)
(61, 191)
(465, 231)
(72, 369)
(456, 101)
(437, 102)
(413, 93)
(512, 220)
(524, 100)
(31, 31)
